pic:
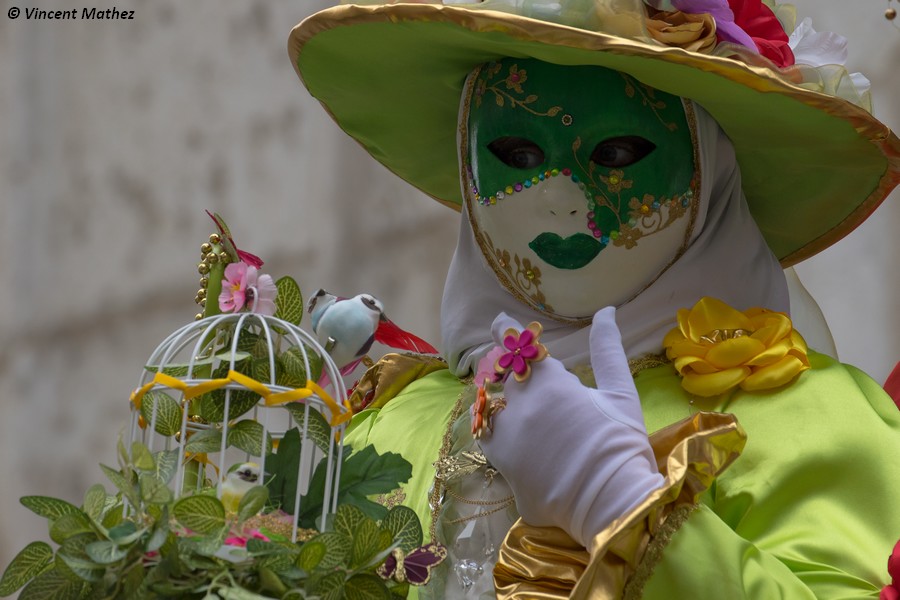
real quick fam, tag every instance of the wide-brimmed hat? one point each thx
(815, 163)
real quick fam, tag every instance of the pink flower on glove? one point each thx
(521, 350)
(486, 373)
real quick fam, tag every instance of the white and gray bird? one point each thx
(237, 483)
(347, 328)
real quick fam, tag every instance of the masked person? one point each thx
(631, 183)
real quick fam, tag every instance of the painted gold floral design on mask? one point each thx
(648, 99)
(608, 219)
(508, 90)
(527, 276)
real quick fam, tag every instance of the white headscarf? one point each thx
(727, 259)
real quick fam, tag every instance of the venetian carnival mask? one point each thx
(581, 185)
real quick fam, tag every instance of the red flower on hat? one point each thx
(764, 29)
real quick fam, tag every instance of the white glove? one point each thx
(575, 457)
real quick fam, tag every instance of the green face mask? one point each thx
(583, 174)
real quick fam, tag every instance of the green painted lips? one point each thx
(572, 252)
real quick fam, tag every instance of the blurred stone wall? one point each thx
(117, 135)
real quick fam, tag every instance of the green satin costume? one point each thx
(811, 508)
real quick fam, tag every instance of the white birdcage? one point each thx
(227, 385)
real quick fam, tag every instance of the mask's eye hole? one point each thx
(621, 151)
(518, 153)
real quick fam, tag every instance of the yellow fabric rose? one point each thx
(716, 348)
(693, 32)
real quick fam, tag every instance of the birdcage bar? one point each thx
(207, 336)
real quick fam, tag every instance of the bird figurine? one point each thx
(347, 328)
(237, 483)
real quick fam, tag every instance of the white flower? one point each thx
(814, 48)
(817, 49)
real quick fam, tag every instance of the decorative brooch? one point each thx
(716, 348)
(515, 356)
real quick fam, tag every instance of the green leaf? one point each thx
(311, 554)
(203, 514)
(363, 474)
(180, 370)
(166, 462)
(405, 528)
(95, 501)
(105, 552)
(141, 457)
(125, 533)
(70, 525)
(261, 370)
(208, 440)
(252, 502)
(132, 583)
(281, 471)
(237, 356)
(292, 361)
(255, 345)
(212, 405)
(337, 549)
(317, 428)
(53, 584)
(277, 562)
(27, 565)
(289, 301)
(159, 535)
(330, 587)
(348, 519)
(239, 594)
(122, 453)
(154, 491)
(271, 582)
(73, 560)
(113, 515)
(211, 544)
(365, 586)
(168, 413)
(49, 508)
(291, 368)
(367, 542)
(260, 548)
(247, 435)
(123, 484)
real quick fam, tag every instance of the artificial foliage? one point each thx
(142, 542)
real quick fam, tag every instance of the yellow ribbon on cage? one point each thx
(271, 398)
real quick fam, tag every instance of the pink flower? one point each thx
(486, 372)
(522, 349)
(241, 540)
(245, 286)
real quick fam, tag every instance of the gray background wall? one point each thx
(116, 136)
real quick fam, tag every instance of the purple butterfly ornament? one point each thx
(414, 567)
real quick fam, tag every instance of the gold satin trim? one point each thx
(387, 378)
(546, 563)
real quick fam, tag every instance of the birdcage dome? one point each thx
(236, 389)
